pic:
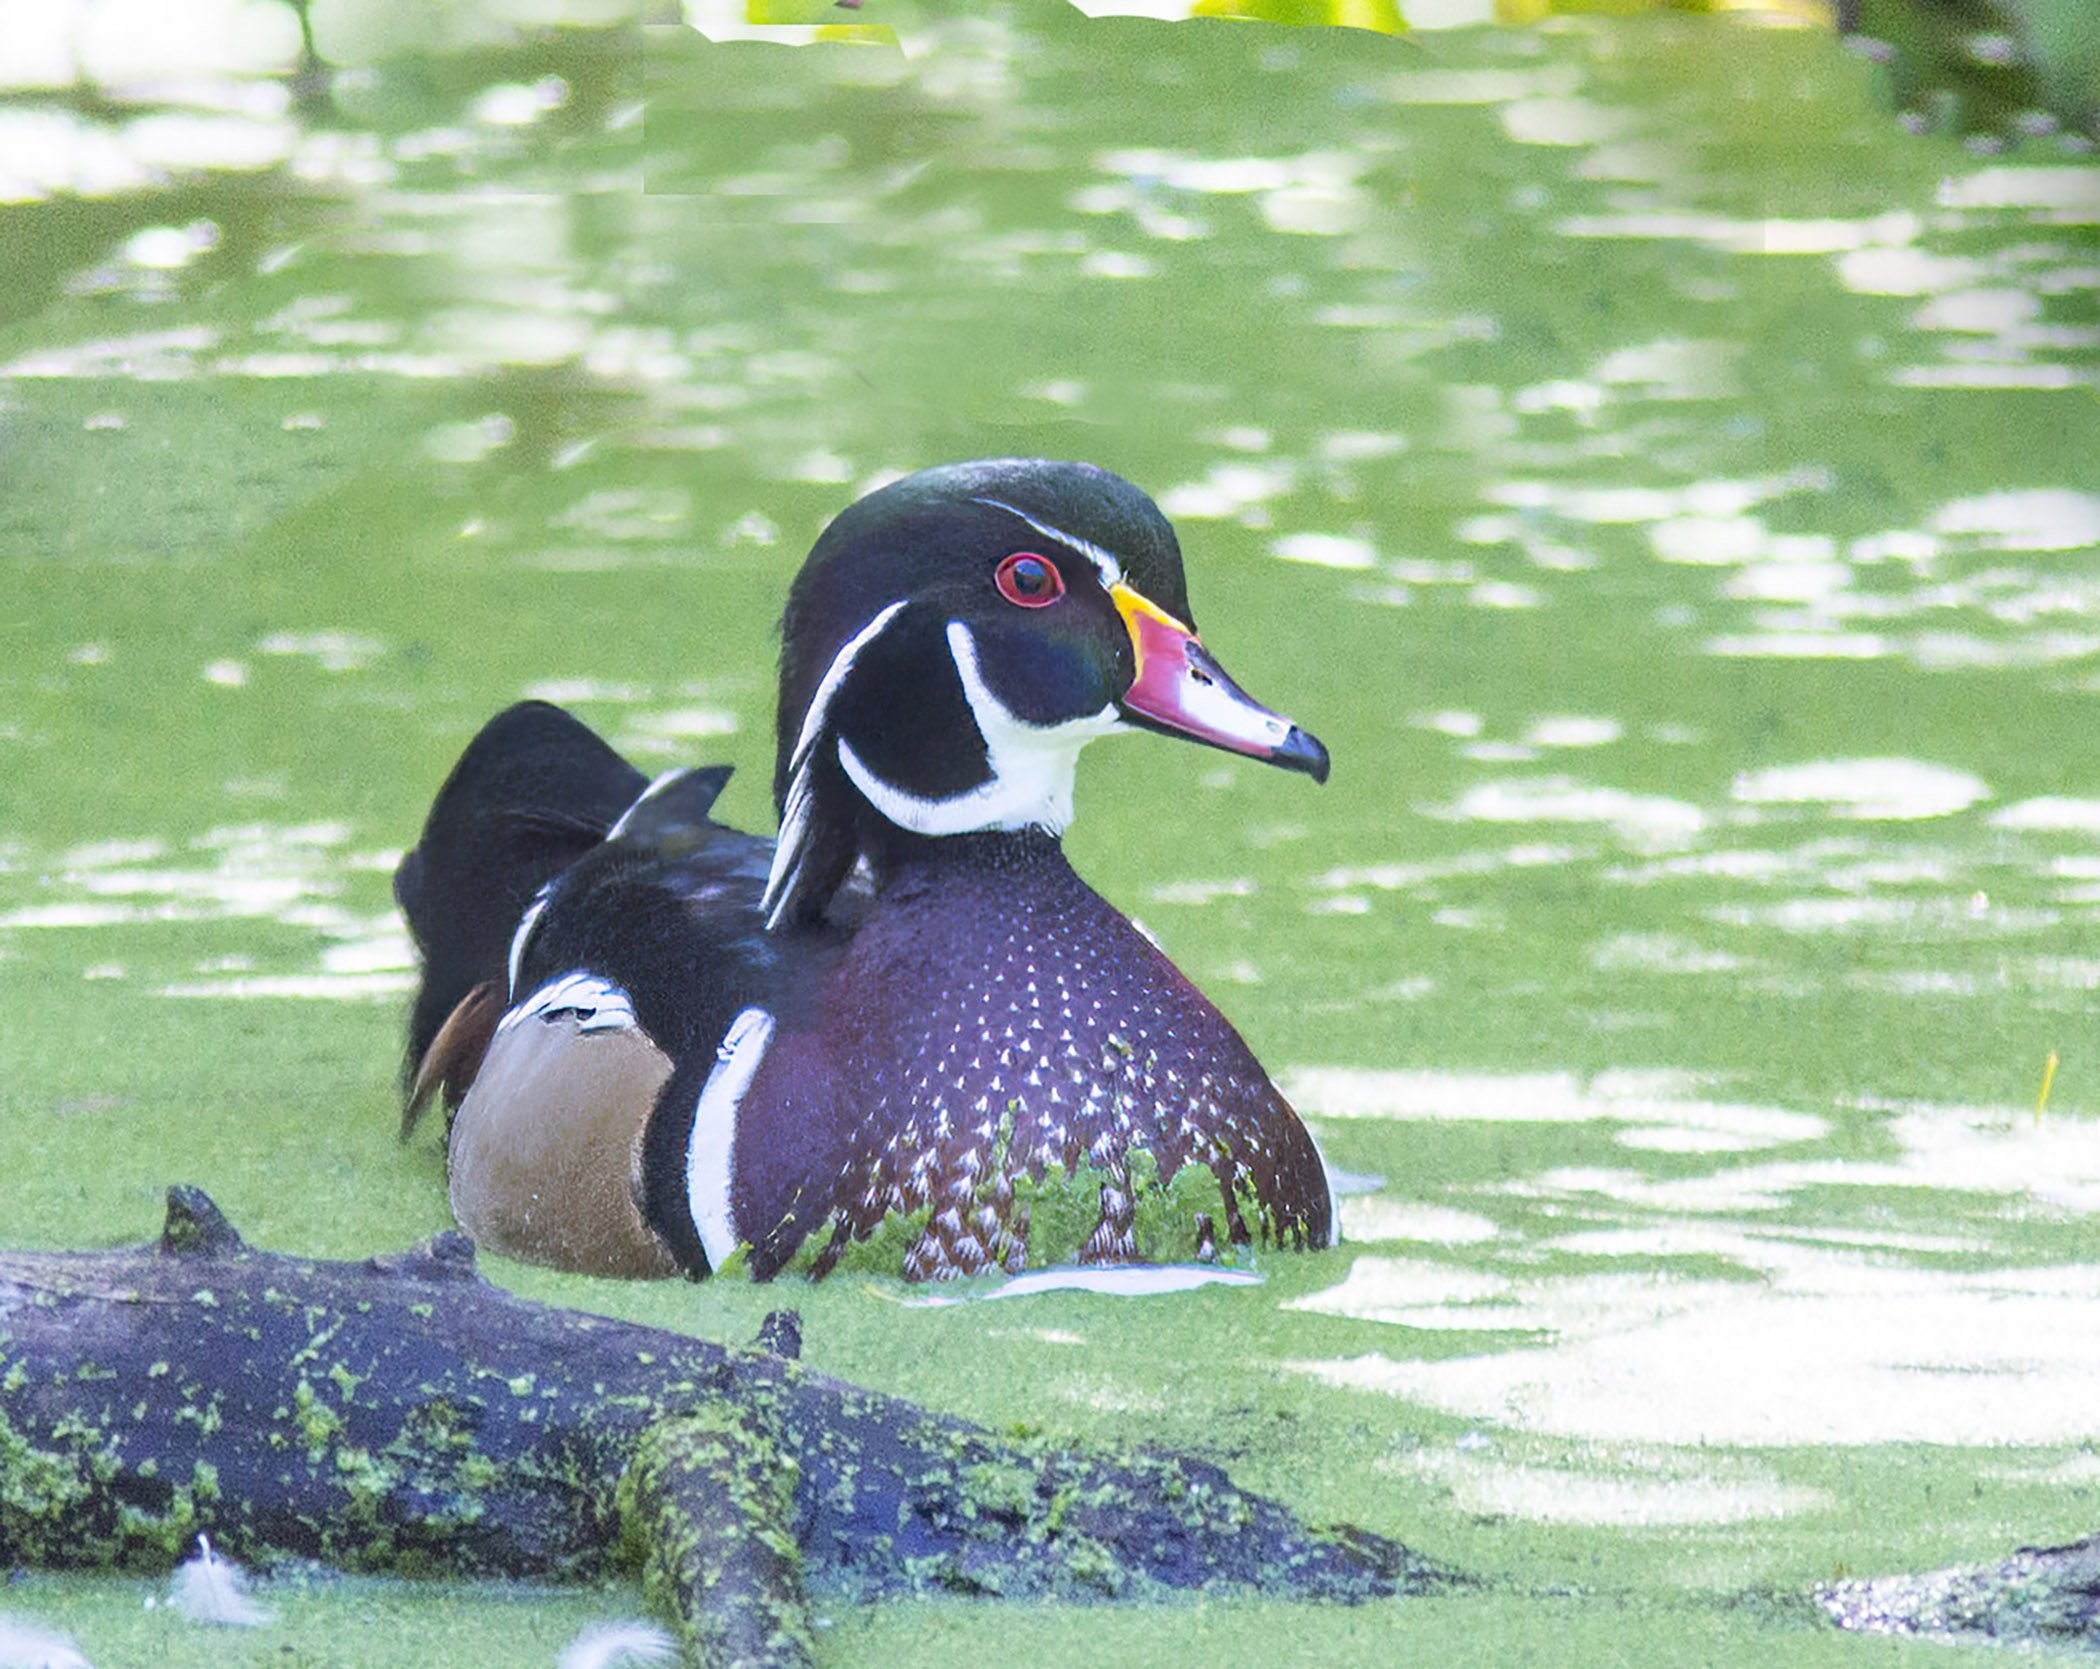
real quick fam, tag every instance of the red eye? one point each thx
(1030, 580)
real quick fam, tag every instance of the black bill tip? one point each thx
(1302, 751)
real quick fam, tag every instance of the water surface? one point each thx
(1667, 487)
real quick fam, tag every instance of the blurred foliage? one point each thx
(1382, 16)
(833, 20)
(1537, 11)
(1989, 71)
(1993, 71)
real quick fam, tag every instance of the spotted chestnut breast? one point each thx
(669, 1044)
(1023, 1028)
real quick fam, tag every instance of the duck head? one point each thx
(955, 639)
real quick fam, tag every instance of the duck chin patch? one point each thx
(1031, 765)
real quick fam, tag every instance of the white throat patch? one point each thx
(1032, 765)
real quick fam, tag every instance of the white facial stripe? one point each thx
(663, 780)
(709, 1154)
(596, 1005)
(788, 849)
(1105, 564)
(828, 686)
(1032, 765)
(523, 937)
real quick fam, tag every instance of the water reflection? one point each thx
(1814, 1332)
(1643, 820)
(1654, 1109)
(1642, 1488)
(1829, 1347)
(1873, 789)
(1698, 549)
(295, 876)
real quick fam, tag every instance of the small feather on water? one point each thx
(26, 1645)
(605, 1645)
(209, 1589)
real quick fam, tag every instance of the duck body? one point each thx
(669, 1043)
(994, 1019)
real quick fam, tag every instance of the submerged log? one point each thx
(403, 1415)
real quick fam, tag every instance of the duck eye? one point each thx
(1029, 580)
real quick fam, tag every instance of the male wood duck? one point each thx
(666, 1042)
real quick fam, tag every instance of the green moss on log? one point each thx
(402, 1415)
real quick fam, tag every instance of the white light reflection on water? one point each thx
(1315, 193)
(1869, 789)
(1230, 490)
(1409, 876)
(2035, 519)
(1841, 1349)
(2051, 813)
(1990, 288)
(1573, 731)
(1644, 1101)
(330, 650)
(1644, 820)
(1647, 1487)
(53, 153)
(1816, 1334)
(293, 875)
(1326, 550)
(1378, 1217)
(1948, 594)
(671, 733)
(1989, 317)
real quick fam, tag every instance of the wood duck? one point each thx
(666, 1042)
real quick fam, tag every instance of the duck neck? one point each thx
(904, 863)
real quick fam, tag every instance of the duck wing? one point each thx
(535, 790)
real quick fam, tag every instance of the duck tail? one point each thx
(535, 790)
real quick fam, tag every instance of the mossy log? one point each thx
(2041, 1596)
(404, 1415)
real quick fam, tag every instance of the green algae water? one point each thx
(1671, 490)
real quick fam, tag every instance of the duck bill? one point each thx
(1181, 690)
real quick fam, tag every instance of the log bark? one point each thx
(2040, 1597)
(404, 1415)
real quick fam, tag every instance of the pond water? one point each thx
(1669, 489)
